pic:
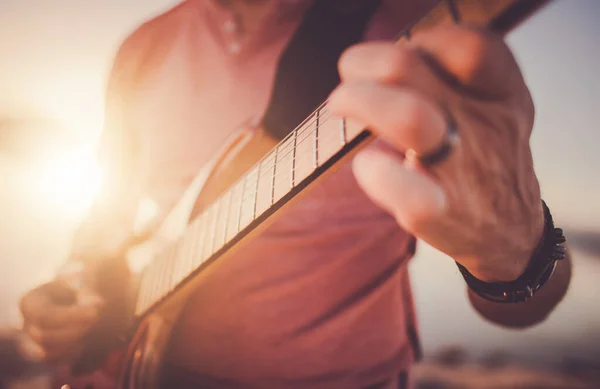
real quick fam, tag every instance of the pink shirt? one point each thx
(321, 299)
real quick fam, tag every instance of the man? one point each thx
(321, 299)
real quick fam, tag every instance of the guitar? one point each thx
(264, 178)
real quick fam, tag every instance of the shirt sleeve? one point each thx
(109, 222)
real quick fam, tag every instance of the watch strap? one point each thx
(539, 270)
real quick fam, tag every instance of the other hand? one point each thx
(481, 205)
(56, 327)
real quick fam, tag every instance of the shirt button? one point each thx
(230, 26)
(234, 48)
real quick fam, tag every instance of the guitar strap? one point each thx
(307, 71)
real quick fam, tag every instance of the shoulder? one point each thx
(146, 45)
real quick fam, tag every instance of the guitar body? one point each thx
(138, 362)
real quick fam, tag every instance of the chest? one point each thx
(196, 92)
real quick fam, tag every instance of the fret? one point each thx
(233, 216)
(202, 231)
(207, 249)
(239, 218)
(150, 280)
(158, 280)
(170, 268)
(199, 234)
(162, 276)
(142, 297)
(316, 140)
(154, 277)
(220, 221)
(254, 214)
(274, 175)
(177, 261)
(228, 196)
(303, 161)
(353, 128)
(248, 198)
(216, 209)
(293, 169)
(186, 252)
(283, 168)
(264, 190)
(192, 237)
(329, 143)
(342, 131)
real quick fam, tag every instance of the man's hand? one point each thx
(59, 328)
(481, 205)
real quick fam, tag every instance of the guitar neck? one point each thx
(313, 148)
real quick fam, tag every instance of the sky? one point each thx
(55, 59)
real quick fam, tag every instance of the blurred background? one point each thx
(55, 59)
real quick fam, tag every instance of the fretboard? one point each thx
(306, 153)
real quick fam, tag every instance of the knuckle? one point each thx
(414, 117)
(342, 98)
(345, 62)
(418, 219)
(475, 47)
(412, 222)
(394, 64)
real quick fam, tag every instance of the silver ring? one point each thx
(441, 153)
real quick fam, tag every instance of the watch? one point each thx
(541, 266)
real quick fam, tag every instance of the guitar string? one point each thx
(267, 172)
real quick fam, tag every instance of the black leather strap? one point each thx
(541, 267)
(307, 70)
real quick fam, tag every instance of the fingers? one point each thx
(58, 329)
(403, 118)
(29, 348)
(439, 61)
(40, 311)
(52, 338)
(393, 64)
(473, 61)
(411, 196)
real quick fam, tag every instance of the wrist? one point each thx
(498, 283)
(506, 272)
(503, 265)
